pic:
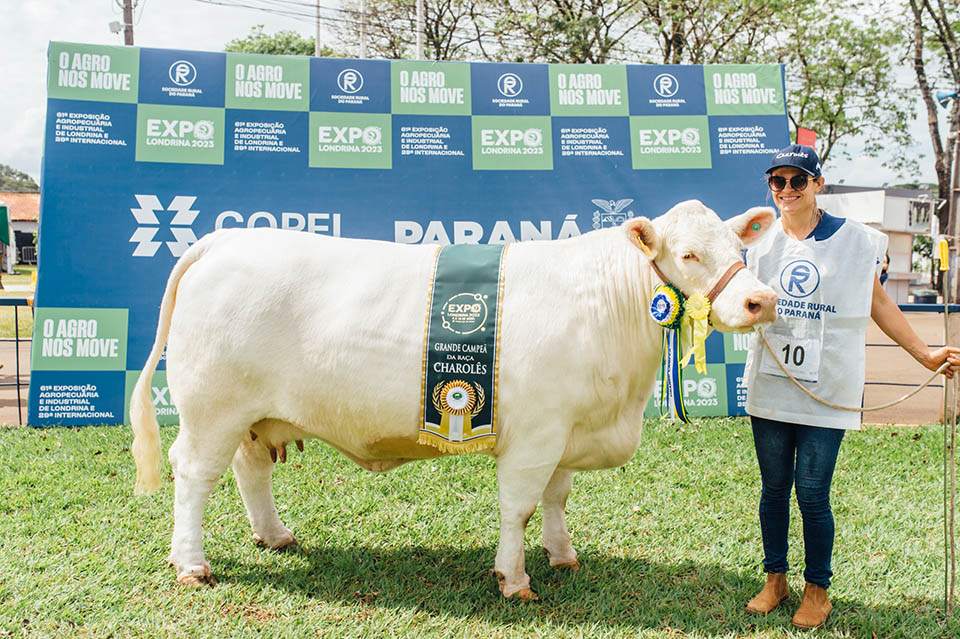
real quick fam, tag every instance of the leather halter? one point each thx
(717, 288)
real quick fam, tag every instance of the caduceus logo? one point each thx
(613, 213)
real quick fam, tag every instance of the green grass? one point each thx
(670, 545)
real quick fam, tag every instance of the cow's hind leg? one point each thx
(198, 459)
(556, 539)
(253, 467)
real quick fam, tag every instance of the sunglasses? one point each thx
(797, 182)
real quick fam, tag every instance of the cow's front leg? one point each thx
(521, 484)
(556, 539)
(253, 468)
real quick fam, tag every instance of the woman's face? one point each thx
(790, 200)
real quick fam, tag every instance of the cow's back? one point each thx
(319, 331)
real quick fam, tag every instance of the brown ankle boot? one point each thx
(814, 608)
(773, 594)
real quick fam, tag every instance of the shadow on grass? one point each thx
(610, 591)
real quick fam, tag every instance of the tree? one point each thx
(280, 43)
(452, 29)
(841, 79)
(935, 44)
(714, 31)
(16, 181)
(589, 31)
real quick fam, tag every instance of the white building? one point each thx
(900, 213)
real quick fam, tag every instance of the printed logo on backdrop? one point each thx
(309, 222)
(267, 82)
(91, 72)
(430, 88)
(510, 85)
(512, 143)
(148, 225)
(338, 84)
(588, 90)
(350, 80)
(611, 213)
(743, 89)
(662, 89)
(351, 140)
(510, 89)
(472, 232)
(666, 85)
(670, 142)
(80, 339)
(799, 278)
(182, 73)
(184, 135)
(703, 395)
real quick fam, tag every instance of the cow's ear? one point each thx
(640, 232)
(750, 226)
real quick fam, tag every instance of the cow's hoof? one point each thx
(197, 576)
(527, 595)
(571, 565)
(197, 581)
(284, 542)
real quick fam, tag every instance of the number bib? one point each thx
(800, 356)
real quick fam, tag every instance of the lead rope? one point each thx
(857, 409)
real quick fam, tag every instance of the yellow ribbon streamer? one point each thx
(696, 314)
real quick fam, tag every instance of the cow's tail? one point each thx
(143, 417)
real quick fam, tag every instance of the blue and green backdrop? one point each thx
(147, 150)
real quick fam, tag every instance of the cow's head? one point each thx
(693, 248)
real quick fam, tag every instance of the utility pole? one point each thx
(128, 22)
(419, 29)
(316, 48)
(363, 28)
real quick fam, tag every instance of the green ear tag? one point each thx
(756, 226)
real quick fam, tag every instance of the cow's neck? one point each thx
(624, 288)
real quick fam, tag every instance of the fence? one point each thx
(16, 303)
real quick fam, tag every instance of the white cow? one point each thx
(275, 336)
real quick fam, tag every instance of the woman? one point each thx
(824, 270)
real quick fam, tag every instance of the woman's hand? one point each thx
(935, 358)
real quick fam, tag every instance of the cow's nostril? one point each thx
(753, 307)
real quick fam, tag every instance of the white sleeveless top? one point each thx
(825, 290)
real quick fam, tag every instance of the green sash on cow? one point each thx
(458, 391)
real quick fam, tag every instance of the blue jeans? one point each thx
(805, 455)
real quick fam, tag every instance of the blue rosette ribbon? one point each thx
(666, 308)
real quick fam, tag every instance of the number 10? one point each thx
(797, 355)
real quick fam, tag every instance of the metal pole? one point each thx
(16, 333)
(419, 29)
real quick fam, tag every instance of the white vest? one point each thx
(825, 290)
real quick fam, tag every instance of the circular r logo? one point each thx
(350, 81)
(666, 85)
(182, 73)
(799, 278)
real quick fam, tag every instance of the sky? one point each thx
(27, 27)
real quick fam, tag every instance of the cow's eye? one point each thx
(689, 257)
